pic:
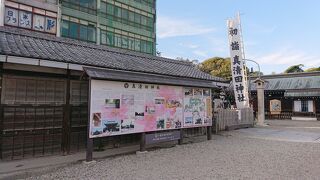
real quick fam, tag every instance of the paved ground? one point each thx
(258, 153)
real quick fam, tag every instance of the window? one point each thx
(104, 7)
(110, 38)
(65, 28)
(126, 42)
(303, 106)
(110, 9)
(137, 18)
(125, 14)
(83, 32)
(89, 6)
(73, 30)
(137, 45)
(149, 47)
(117, 11)
(117, 40)
(78, 31)
(143, 46)
(91, 33)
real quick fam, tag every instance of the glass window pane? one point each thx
(73, 30)
(137, 45)
(104, 7)
(83, 32)
(143, 46)
(92, 34)
(131, 16)
(103, 37)
(125, 14)
(117, 40)
(137, 18)
(144, 20)
(110, 9)
(150, 22)
(150, 50)
(110, 38)
(124, 42)
(65, 28)
(131, 43)
(117, 11)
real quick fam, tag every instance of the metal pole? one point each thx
(89, 140)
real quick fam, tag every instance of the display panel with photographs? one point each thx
(197, 107)
(122, 108)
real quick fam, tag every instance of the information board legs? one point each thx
(209, 132)
(180, 141)
(89, 149)
(89, 140)
(143, 142)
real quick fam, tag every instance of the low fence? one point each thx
(228, 119)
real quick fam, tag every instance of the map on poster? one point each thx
(124, 108)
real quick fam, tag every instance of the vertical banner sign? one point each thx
(237, 65)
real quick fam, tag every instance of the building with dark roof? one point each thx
(297, 95)
(122, 24)
(44, 92)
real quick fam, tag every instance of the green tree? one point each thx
(294, 69)
(312, 69)
(217, 66)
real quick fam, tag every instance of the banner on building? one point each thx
(237, 65)
(118, 108)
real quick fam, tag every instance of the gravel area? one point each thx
(227, 156)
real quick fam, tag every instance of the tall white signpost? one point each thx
(237, 63)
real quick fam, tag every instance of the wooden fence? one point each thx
(228, 119)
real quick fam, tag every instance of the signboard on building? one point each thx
(118, 108)
(275, 106)
(28, 17)
(237, 65)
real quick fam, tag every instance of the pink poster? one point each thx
(123, 108)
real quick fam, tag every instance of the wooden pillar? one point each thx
(89, 140)
(143, 142)
(180, 142)
(1, 109)
(66, 118)
(209, 132)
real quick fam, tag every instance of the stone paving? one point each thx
(276, 152)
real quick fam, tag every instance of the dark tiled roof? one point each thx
(295, 81)
(116, 75)
(19, 42)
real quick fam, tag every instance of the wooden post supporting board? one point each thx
(180, 141)
(89, 140)
(209, 132)
(143, 142)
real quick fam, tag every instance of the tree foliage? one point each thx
(294, 69)
(312, 69)
(217, 66)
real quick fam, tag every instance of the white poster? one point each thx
(51, 25)
(38, 22)
(11, 17)
(25, 19)
(237, 65)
